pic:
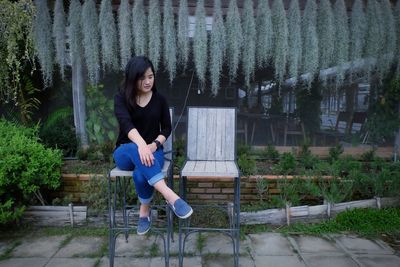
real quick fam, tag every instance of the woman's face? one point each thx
(145, 83)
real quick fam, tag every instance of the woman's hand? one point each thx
(146, 155)
(152, 147)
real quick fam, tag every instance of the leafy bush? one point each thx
(26, 167)
(287, 164)
(247, 164)
(270, 153)
(58, 131)
(335, 152)
(306, 159)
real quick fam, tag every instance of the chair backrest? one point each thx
(211, 133)
(168, 143)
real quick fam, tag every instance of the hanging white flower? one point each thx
(108, 34)
(397, 17)
(75, 31)
(341, 40)
(357, 33)
(183, 34)
(154, 22)
(169, 40)
(42, 41)
(249, 38)
(200, 42)
(234, 39)
(264, 34)
(281, 46)
(388, 45)
(294, 39)
(310, 41)
(326, 34)
(217, 47)
(125, 32)
(374, 35)
(59, 35)
(139, 22)
(91, 41)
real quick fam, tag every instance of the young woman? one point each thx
(144, 125)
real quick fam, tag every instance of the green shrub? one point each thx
(26, 168)
(335, 152)
(289, 192)
(270, 153)
(343, 166)
(306, 159)
(287, 164)
(247, 164)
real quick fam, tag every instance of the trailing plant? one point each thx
(154, 33)
(264, 34)
(249, 37)
(27, 101)
(217, 48)
(280, 38)
(341, 40)
(75, 30)
(183, 34)
(357, 33)
(16, 46)
(261, 187)
(169, 40)
(200, 43)
(59, 35)
(335, 152)
(384, 121)
(124, 32)
(294, 39)
(58, 131)
(43, 42)
(326, 35)
(101, 123)
(91, 41)
(388, 42)
(310, 40)
(287, 164)
(26, 168)
(374, 34)
(108, 36)
(234, 38)
(139, 22)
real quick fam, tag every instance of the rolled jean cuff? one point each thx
(153, 180)
(145, 200)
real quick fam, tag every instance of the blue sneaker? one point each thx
(144, 225)
(181, 208)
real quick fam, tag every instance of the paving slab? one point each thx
(4, 246)
(379, 260)
(136, 245)
(361, 245)
(270, 244)
(42, 247)
(226, 260)
(324, 260)
(312, 244)
(81, 247)
(174, 262)
(220, 243)
(23, 262)
(190, 245)
(69, 262)
(279, 261)
(125, 262)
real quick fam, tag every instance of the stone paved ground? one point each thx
(211, 250)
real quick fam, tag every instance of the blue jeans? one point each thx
(127, 158)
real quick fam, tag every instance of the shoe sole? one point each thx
(143, 233)
(186, 216)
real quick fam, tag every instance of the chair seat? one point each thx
(121, 173)
(210, 168)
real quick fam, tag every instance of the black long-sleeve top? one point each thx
(150, 121)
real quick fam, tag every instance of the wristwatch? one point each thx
(158, 144)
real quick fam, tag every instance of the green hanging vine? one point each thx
(125, 33)
(264, 34)
(341, 40)
(183, 34)
(357, 34)
(326, 35)
(200, 43)
(217, 48)
(169, 40)
(249, 37)
(234, 39)
(373, 35)
(75, 30)
(59, 35)
(139, 25)
(154, 33)
(294, 39)
(281, 46)
(108, 36)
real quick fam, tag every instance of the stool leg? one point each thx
(237, 218)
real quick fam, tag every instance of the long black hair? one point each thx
(134, 70)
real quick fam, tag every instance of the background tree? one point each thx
(217, 48)
(125, 32)
(108, 37)
(169, 40)
(234, 39)
(59, 35)
(43, 42)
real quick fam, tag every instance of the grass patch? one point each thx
(200, 243)
(7, 253)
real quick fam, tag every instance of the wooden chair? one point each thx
(120, 187)
(211, 153)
